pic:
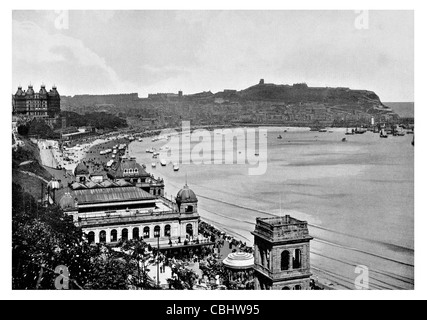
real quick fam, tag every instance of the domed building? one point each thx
(239, 266)
(67, 202)
(81, 172)
(186, 200)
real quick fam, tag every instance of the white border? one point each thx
(420, 161)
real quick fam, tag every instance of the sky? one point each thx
(106, 52)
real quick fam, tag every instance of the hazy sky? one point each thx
(166, 51)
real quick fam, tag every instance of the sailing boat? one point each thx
(383, 134)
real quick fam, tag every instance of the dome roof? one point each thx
(67, 202)
(239, 260)
(53, 184)
(81, 169)
(30, 90)
(186, 195)
(19, 92)
(43, 90)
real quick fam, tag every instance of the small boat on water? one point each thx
(349, 132)
(344, 139)
(140, 140)
(163, 162)
(153, 164)
(383, 134)
(257, 154)
(279, 137)
(323, 130)
(175, 167)
(360, 131)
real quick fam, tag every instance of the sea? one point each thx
(357, 196)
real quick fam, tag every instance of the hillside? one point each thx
(264, 103)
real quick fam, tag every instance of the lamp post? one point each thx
(158, 260)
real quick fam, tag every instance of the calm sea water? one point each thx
(357, 196)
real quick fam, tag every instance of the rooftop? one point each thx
(279, 229)
(239, 260)
(107, 195)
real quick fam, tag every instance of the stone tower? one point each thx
(282, 254)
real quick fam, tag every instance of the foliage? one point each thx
(44, 238)
(183, 279)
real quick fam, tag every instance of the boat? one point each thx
(154, 156)
(360, 131)
(153, 164)
(256, 154)
(175, 167)
(344, 139)
(383, 133)
(323, 130)
(279, 137)
(140, 140)
(163, 162)
(349, 132)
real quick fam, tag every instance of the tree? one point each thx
(43, 239)
(184, 278)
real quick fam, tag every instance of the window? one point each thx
(189, 230)
(135, 233)
(296, 259)
(286, 288)
(102, 236)
(157, 232)
(297, 287)
(125, 171)
(91, 237)
(113, 235)
(167, 230)
(146, 232)
(125, 234)
(135, 171)
(284, 264)
(189, 209)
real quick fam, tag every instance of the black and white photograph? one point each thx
(211, 150)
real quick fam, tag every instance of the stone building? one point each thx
(129, 170)
(42, 104)
(282, 254)
(112, 211)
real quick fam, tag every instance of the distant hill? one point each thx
(263, 103)
(403, 109)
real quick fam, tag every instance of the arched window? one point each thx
(297, 287)
(157, 232)
(125, 234)
(91, 237)
(135, 233)
(189, 209)
(113, 235)
(135, 171)
(286, 288)
(284, 264)
(296, 259)
(125, 171)
(189, 229)
(102, 236)
(167, 230)
(146, 232)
